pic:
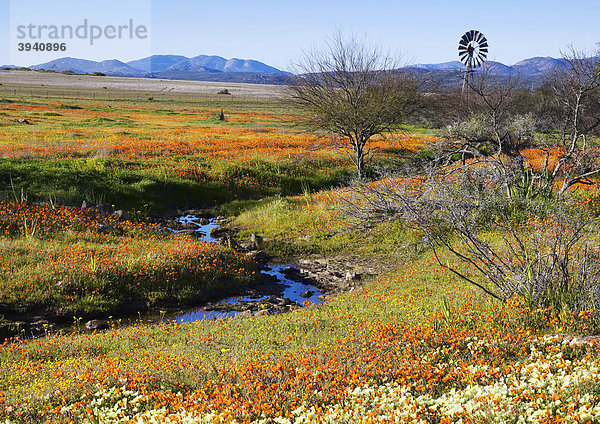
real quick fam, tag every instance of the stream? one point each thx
(292, 292)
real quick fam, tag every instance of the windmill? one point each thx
(472, 51)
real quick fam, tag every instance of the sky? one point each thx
(275, 32)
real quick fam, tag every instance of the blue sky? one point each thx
(275, 31)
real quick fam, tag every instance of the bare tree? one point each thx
(352, 91)
(572, 111)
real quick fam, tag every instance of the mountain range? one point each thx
(217, 68)
(524, 68)
(160, 66)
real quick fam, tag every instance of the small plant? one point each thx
(446, 310)
(93, 265)
(307, 193)
(77, 322)
(141, 214)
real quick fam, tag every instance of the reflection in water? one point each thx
(292, 290)
(202, 229)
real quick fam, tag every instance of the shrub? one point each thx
(540, 251)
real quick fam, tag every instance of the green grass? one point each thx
(299, 226)
(132, 184)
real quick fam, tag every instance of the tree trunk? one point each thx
(359, 160)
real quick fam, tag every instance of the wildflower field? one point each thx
(132, 155)
(412, 345)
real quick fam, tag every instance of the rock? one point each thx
(263, 312)
(257, 240)
(204, 221)
(306, 294)
(248, 246)
(104, 229)
(41, 323)
(105, 208)
(229, 242)
(24, 121)
(257, 255)
(88, 205)
(244, 314)
(219, 232)
(188, 225)
(94, 324)
(290, 270)
(187, 231)
(121, 214)
(351, 275)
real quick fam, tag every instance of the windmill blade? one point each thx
(473, 48)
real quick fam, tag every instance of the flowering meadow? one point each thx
(71, 261)
(413, 344)
(132, 155)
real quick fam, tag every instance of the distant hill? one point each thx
(202, 68)
(81, 66)
(524, 68)
(445, 66)
(449, 74)
(538, 65)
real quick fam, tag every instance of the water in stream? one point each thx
(292, 290)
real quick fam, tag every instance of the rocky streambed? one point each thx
(286, 286)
